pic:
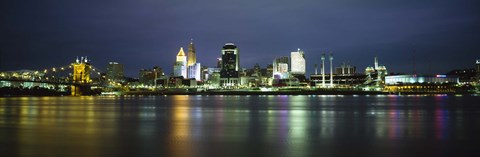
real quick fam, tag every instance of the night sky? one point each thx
(444, 35)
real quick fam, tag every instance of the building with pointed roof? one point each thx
(180, 66)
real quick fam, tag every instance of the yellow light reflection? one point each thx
(180, 134)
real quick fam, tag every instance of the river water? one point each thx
(181, 125)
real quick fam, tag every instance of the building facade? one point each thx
(280, 67)
(229, 75)
(115, 72)
(298, 63)
(180, 66)
(345, 70)
(478, 70)
(195, 71)
(421, 83)
(192, 55)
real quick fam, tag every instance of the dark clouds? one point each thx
(145, 33)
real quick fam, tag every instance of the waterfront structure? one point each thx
(150, 77)
(411, 79)
(192, 55)
(340, 81)
(331, 69)
(421, 83)
(229, 75)
(298, 62)
(81, 76)
(323, 70)
(180, 66)
(376, 74)
(280, 67)
(115, 72)
(345, 70)
(464, 75)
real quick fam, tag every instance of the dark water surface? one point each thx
(240, 126)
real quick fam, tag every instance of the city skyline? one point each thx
(434, 36)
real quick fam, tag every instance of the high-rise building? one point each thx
(230, 65)
(194, 71)
(192, 56)
(478, 70)
(219, 62)
(280, 67)
(115, 72)
(298, 63)
(180, 66)
(269, 70)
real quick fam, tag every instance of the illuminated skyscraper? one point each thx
(194, 71)
(298, 63)
(230, 65)
(115, 72)
(180, 66)
(478, 70)
(192, 56)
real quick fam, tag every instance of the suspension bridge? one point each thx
(77, 77)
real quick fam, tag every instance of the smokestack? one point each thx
(316, 69)
(376, 63)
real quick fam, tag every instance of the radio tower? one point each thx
(414, 64)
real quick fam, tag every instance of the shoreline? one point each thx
(240, 92)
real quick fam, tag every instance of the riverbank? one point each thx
(298, 92)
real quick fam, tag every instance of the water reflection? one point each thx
(233, 125)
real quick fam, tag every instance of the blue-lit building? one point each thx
(421, 83)
(412, 79)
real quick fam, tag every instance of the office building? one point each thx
(478, 70)
(180, 66)
(298, 63)
(115, 72)
(195, 72)
(280, 67)
(229, 75)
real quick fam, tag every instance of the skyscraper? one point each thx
(194, 71)
(180, 66)
(478, 70)
(192, 56)
(298, 63)
(115, 72)
(230, 65)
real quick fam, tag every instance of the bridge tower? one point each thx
(81, 76)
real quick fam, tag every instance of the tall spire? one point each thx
(192, 56)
